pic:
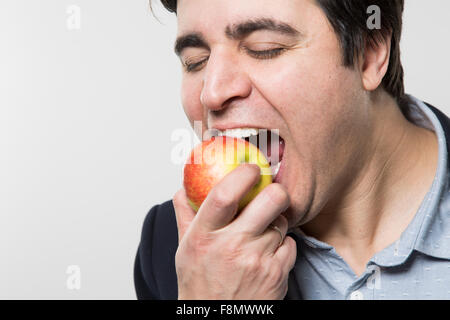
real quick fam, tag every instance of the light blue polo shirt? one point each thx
(416, 266)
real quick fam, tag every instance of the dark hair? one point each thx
(349, 19)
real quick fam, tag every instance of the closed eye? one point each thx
(192, 67)
(264, 54)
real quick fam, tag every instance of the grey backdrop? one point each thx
(89, 98)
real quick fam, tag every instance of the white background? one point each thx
(86, 118)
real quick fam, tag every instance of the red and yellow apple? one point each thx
(210, 161)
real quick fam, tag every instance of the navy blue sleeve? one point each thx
(144, 279)
(154, 268)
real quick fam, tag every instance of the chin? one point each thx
(303, 197)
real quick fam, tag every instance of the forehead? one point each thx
(211, 16)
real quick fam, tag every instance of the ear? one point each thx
(375, 63)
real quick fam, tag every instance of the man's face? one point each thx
(298, 86)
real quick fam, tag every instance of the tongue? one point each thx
(273, 148)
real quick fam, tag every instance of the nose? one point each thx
(223, 80)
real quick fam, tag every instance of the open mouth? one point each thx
(267, 140)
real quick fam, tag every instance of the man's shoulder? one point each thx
(443, 118)
(155, 275)
(162, 214)
(160, 225)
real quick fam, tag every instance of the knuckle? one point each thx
(253, 168)
(200, 243)
(278, 195)
(252, 262)
(194, 246)
(276, 274)
(221, 199)
(292, 245)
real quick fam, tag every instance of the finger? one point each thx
(261, 211)
(221, 204)
(286, 254)
(271, 238)
(183, 212)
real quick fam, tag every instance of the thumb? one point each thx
(183, 212)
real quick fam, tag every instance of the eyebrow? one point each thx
(236, 31)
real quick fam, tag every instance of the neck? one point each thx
(375, 205)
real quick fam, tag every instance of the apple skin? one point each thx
(210, 161)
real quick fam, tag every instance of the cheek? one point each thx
(190, 99)
(316, 93)
(319, 101)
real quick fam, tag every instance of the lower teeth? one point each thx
(275, 168)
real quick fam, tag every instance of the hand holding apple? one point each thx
(223, 254)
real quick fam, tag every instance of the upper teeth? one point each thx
(239, 132)
(244, 133)
(275, 168)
